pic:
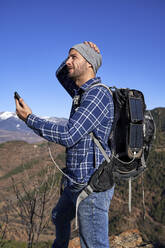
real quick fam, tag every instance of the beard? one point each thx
(77, 71)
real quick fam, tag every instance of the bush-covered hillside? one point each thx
(153, 182)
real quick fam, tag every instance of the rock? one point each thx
(74, 243)
(127, 239)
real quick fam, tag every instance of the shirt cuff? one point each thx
(31, 120)
(27, 118)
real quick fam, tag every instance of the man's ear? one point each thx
(89, 65)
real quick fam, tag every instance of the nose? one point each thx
(68, 61)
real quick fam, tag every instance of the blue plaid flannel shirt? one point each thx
(94, 114)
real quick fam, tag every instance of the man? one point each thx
(92, 111)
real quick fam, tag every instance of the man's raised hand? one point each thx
(92, 45)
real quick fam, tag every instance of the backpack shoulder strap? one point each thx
(100, 147)
(96, 141)
(103, 85)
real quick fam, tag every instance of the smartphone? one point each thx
(16, 95)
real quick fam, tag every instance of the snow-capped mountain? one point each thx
(11, 127)
(6, 115)
(9, 121)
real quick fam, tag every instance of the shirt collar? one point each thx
(85, 86)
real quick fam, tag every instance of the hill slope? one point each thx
(16, 157)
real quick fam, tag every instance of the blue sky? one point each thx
(35, 36)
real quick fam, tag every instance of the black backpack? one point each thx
(130, 140)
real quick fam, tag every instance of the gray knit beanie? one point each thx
(94, 58)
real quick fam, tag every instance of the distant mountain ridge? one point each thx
(12, 128)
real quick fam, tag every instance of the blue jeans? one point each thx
(92, 218)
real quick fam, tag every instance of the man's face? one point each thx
(76, 64)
